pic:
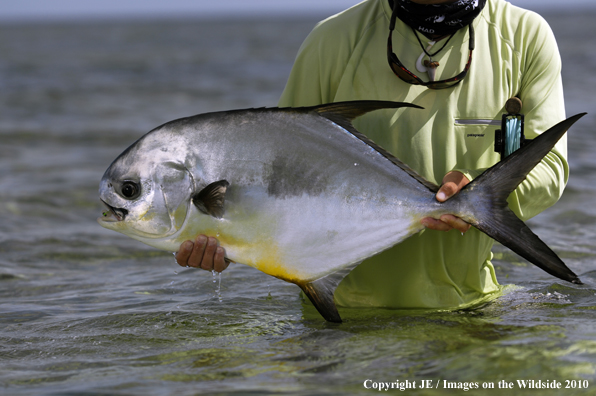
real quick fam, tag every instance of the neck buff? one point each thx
(438, 19)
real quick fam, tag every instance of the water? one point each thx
(87, 311)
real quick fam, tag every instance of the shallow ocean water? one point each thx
(87, 311)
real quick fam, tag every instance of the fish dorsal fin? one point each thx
(342, 113)
(320, 292)
(210, 200)
(354, 109)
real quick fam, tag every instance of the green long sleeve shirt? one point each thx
(344, 58)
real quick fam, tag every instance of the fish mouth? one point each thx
(113, 213)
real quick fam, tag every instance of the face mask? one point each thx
(438, 19)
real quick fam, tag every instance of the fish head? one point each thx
(146, 191)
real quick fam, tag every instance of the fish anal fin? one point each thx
(322, 298)
(320, 292)
(210, 200)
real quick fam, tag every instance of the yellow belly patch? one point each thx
(257, 250)
(264, 256)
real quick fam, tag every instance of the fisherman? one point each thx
(461, 60)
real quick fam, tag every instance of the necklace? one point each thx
(430, 66)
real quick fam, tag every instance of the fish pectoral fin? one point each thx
(210, 200)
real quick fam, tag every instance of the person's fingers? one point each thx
(452, 183)
(203, 253)
(446, 191)
(219, 262)
(209, 254)
(184, 253)
(455, 222)
(435, 224)
(198, 250)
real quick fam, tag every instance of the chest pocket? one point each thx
(476, 141)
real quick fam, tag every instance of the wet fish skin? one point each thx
(300, 194)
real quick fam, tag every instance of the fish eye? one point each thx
(130, 190)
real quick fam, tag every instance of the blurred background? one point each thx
(87, 311)
(67, 9)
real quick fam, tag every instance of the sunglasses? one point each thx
(404, 74)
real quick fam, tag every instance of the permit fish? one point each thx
(301, 195)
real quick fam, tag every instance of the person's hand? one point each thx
(204, 253)
(452, 183)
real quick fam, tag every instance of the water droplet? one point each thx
(355, 163)
(218, 287)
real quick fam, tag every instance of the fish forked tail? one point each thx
(488, 194)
